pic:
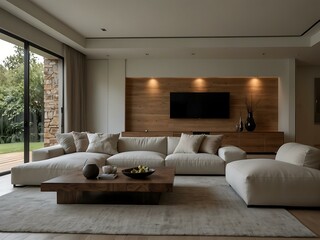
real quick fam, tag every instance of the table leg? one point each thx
(147, 198)
(78, 197)
(68, 197)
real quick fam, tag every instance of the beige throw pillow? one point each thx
(66, 141)
(189, 143)
(81, 141)
(211, 144)
(103, 143)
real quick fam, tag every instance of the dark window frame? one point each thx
(26, 46)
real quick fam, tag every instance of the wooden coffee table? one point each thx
(75, 188)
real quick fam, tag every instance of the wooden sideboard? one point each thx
(251, 142)
(255, 142)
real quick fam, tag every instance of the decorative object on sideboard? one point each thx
(250, 124)
(90, 170)
(239, 126)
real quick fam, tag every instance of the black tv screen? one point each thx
(199, 104)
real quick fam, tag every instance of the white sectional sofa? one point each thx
(189, 154)
(292, 179)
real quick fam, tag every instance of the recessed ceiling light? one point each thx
(103, 29)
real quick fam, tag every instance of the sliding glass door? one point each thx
(32, 79)
(11, 103)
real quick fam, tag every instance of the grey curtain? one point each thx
(75, 90)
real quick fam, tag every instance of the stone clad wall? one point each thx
(51, 101)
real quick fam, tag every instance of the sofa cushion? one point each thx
(189, 143)
(172, 144)
(103, 143)
(81, 141)
(47, 152)
(136, 158)
(210, 144)
(155, 144)
(196, 163)
(269, 182)
(34, 173)
(299, 154)
(66, 141)
(231, 153)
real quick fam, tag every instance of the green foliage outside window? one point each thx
(12, 97)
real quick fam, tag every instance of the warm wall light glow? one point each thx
(255, 82)
(199, 83)
(153, 85)
(255, 85)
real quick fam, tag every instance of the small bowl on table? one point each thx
(137, 175)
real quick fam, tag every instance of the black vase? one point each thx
(90, 171)
(250, 124)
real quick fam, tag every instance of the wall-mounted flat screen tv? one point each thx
(199, 105)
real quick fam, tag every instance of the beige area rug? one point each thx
(198, 206)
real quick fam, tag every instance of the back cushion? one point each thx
(155, 144)
(66, 141)
(211, 144)
(299, 154)
(189, 143)
(172, 144)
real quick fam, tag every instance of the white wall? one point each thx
(205, 68)
(97, 97)
(286, 99)
(307, 131)
(105, 96)
(116, 96)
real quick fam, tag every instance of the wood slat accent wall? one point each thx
(148, 103)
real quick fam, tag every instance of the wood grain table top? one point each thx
(160, 181)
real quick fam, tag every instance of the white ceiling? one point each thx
(184, 18)
(180, 28)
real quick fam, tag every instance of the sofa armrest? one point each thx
(47, 152)
(231, 153)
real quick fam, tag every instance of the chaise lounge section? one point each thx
(38, 171)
